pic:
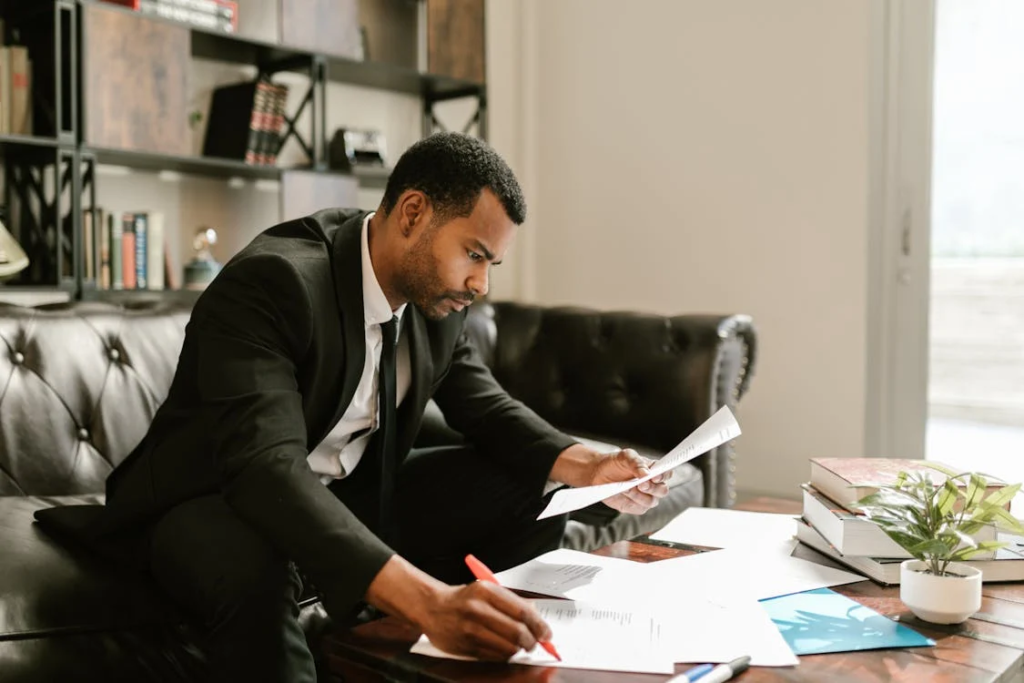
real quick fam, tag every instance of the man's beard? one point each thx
(419, 284)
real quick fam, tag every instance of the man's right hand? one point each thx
(484, 621)
(479, 620)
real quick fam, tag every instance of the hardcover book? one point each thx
(851, 533)
(1007, 565)
(846, 480)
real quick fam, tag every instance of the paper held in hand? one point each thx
(715, 431)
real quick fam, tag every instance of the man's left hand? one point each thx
(625, 465)
(579, 465)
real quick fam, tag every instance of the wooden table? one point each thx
(986, 648)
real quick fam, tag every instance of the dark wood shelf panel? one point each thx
(395, 78)
(234, 48)
(219, 168)
(192, 165)
(35, 295)
(138, 296)
(28, 141)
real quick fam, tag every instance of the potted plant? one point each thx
(938, 523)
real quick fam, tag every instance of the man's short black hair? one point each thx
(452, 169)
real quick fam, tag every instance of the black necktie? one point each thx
(386, 437)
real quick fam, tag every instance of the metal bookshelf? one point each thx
(51, 176)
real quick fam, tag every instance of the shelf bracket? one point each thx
(315, 98)
(432, 124)
(41, 225)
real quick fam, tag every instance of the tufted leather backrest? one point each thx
(80, 382)
(647, 380)
(79, 385)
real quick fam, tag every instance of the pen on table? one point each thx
(693, 674)
(482, 573)
(718, 674)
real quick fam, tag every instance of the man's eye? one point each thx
(473, 256)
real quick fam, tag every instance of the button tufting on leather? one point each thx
(114, 354)
(17, 358)
(83, 434)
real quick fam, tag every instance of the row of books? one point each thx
(832, 526)
(246, 121)
(215, 15)
(126, 250)
(15, 89)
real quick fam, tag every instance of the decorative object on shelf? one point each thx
(936, 523)
(200, 271)
(13, 259)
(351, 148)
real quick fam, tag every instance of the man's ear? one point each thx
(413, 212)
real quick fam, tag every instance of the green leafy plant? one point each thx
(936, 523)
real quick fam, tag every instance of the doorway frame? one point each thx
(901, 103)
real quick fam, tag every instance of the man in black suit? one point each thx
(283, 449)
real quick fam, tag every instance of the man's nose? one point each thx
(478, 283)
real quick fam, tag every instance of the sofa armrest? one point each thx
(628, 377)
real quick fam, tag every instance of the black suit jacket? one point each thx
(272, 356)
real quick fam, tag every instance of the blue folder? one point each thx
(822, 621)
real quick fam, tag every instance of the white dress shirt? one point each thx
(341, 450)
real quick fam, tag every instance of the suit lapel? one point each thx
(348, 284)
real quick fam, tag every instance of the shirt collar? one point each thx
(376, 309)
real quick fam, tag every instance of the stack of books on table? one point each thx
(832, 526)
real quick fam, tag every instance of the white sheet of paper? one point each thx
(590, 637)
(752, 574)
(720, 629)
(720, 528)
(715, 431)
(703, 628)
(580, 576)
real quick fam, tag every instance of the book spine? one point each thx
(128, 251)
(116, 253)
(201, 19)
(277, 125)
(252, 148)
(20, 123)
(105, 220)
(222, 9)
(141, 248)
(264, 97)
(88, 244)
(155, 246)
(5, 90)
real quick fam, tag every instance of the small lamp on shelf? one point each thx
(201, 270)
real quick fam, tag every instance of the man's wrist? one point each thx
(402, 590)
(575, 466)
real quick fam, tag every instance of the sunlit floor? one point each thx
(993, 449)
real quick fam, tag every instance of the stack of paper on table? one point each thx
(629, 616)
(719, 528)
(704, 626)
(753, 574)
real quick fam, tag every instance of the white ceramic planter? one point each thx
(940, 599)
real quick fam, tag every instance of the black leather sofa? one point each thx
(80, 382)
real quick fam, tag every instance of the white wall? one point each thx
(695, 156)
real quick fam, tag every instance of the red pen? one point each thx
(482, 573)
